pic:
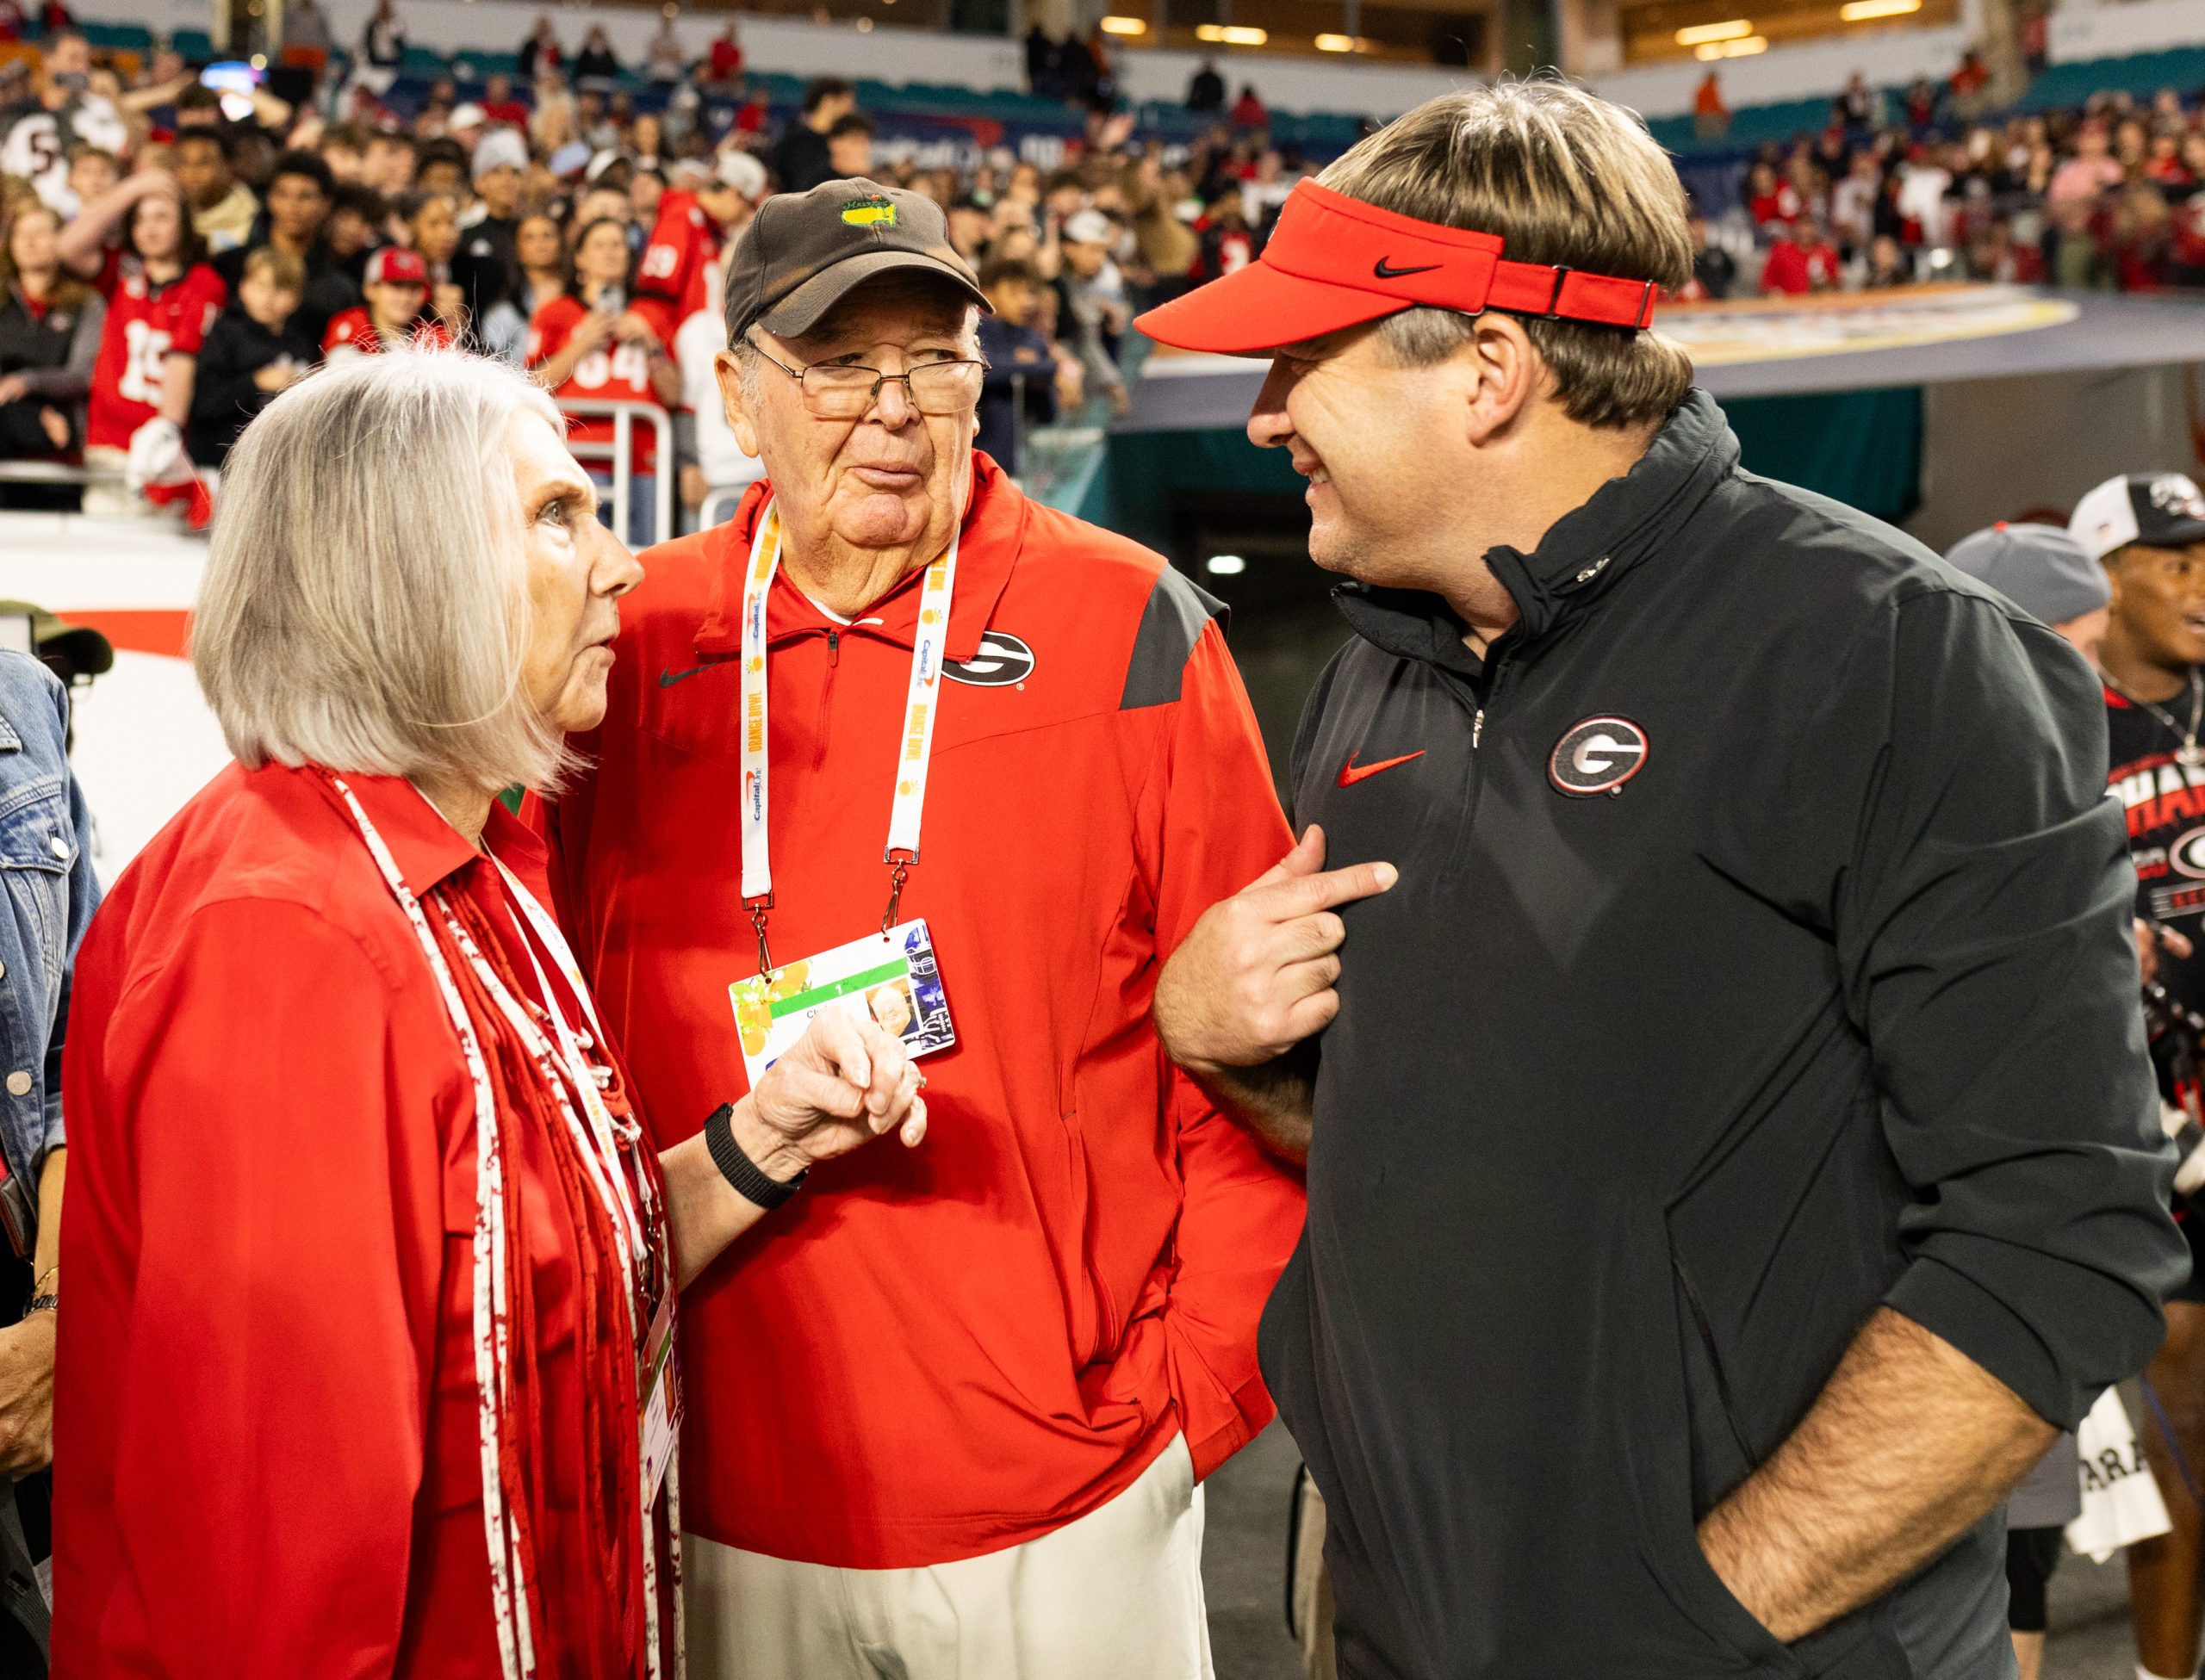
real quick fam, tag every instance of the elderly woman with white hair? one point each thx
(371, 1274)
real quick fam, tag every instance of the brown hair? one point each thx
(1563, 178)
(191, 246)
(66, 292)
(997, 270)
(284, 271)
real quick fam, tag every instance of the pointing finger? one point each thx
(1320, 892)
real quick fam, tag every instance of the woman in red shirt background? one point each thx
(163, 297)
(587, 345)
(371, 1270)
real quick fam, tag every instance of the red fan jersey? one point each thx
(146, 323)
(613, 372)
(352, 333)
(670, 280)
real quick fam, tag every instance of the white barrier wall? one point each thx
(2082, 32)
(1813, 70)
(145, 741)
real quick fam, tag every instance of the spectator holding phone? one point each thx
(251, 355)
(433, 225)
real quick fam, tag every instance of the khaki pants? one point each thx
(1116, 1596)
(1312, 1587)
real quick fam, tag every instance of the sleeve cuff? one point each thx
(1954, 1307)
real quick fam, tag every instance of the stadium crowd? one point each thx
(1772, 1411)
(1931, 186)
(176, 255)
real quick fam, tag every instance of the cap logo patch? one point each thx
(871, 211)
(1597, 756)
(2173, 493)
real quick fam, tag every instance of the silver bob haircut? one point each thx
(366, 605)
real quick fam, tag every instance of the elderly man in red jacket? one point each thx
(897, 739)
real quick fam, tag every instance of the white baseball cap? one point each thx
(1091, 227)
(739, 169)
(502, 148)
(2163, 510)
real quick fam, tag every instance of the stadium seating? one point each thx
(929, 105)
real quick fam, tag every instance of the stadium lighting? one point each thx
(1701, 33)
(1124, 26)
(1731, 49)
(1232, 35)
(1859, 11)
(1342, 44)
(1226, 566)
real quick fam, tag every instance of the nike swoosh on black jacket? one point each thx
(1640, 1102)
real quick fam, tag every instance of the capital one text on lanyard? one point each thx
(928, 637)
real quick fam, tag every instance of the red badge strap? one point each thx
(1329, 237)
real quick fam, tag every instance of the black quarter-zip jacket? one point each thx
(1760, 956)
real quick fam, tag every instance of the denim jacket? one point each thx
(51, 895)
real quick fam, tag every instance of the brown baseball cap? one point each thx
(803, 252)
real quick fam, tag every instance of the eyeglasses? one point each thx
(836, 391)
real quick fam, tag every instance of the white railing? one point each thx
(617, 456)
(56, 472)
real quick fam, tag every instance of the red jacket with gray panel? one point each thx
(937, 1353)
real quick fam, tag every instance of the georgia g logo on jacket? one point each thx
(1597, 756)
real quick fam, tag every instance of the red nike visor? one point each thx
(1335, 262)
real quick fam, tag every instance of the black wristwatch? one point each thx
(739, 1169)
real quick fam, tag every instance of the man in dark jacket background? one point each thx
(1731, 1150)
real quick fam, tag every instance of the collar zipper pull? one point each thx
(1477, 729)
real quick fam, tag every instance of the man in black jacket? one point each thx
(800, 160)
(1731, 1148)
(298, 198)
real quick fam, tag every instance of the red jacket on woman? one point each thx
(267, 1458)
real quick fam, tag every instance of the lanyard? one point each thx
(606, 1134)
(909, 802)
(633, 1238)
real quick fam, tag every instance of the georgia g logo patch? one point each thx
(1597, 756)
(1001, 660)
(2187, 855)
